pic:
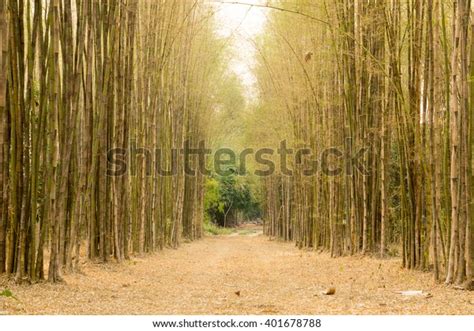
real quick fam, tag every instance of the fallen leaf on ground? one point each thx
(329, 291)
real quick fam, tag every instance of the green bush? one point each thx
(226, 196)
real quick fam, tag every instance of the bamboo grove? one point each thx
(78, 79)
(395, 77)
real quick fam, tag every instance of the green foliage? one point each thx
(7, 294)
(212, 199)
(228, 195)
(213, 229)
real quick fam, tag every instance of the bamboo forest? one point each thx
(236, 157)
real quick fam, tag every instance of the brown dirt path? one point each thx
(272, 277)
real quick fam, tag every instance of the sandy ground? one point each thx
(207, 276)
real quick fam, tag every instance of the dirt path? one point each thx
(272, 277)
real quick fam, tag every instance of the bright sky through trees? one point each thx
(241, 24)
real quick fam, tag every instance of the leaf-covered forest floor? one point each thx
(241, 273)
